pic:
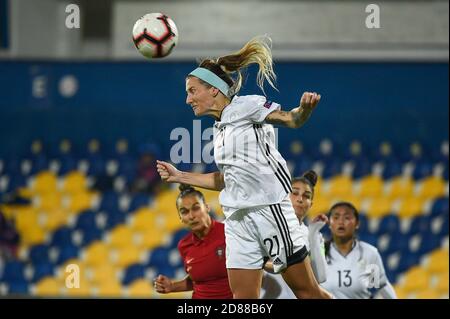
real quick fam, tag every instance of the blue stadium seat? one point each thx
(332, 167)
(422, 169)
(429, 242)
(419, 225)
(68, 163)
(139, 200)
(177, 236)
(113, 218)
(39, 254)
(166, 270)
(109, 202)
(397, 243)
(42, 270)
(86, 220)
(440, 207)
(362, 168)
(90, 235)
(61, 237)
(392, 169)
(18, 287)
(132, 273)
(159, 257)
(369, 238)
(389, 224)
(407, 260)
(302, 165)
(67, 252)
(363, 225)
(13, 271)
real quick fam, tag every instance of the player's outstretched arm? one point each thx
(170, 174)
(296, 117)
(164, 285)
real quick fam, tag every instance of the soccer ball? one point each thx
(155, 35)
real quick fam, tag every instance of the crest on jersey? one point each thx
(220, 252)
(268, 104)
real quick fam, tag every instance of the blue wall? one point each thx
(401, 102)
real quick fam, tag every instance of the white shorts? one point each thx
(254, 235)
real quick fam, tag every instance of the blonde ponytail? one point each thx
(255, 51)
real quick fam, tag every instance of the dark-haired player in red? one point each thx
(202, 251)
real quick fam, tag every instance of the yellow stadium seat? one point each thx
(400, 292)
(321, 205)
(96, 254)
(109, 289)
(410, 207)
(166, 201)
(101, 273)
(26, 219)
(48, 201)
(49, 287)
(438, 261)
(54, 219)
(126, 256)
(79, 202)
(379, 207)
(174, 295)
(356, 201)
(85, 290)
(401, 187)
(33, 236)
(143, 219)
(416, 279)
(170, 222)
(44, 182)
(120, 236)
(340, 186)
(371, 186)
(149, 239)
(431, 187)
(427, 294)
(74, 182)
(442, 284)
(140, 288)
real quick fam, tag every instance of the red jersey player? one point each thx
(202, 251)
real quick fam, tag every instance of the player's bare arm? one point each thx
(170, 174)
(297, 116)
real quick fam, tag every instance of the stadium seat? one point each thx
(44, 182)
(339, 186)
(125, 256)
(133, 272)
(401, 187)
(13, 271)
(427, 294)
(101, 273)
(388, 225)
(95, 254)
(74, 182)
(378, 207)
(120, 236)
(410, 207)
(48, 287)
(143, 219)
(109, 289)
(438, 261)
(431, 187)
(140, 288)
(39, 254)
(370, 186)
(416, 279)
(41, 270)
(442, 284)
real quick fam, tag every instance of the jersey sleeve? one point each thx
(380, 267)
(258, 107)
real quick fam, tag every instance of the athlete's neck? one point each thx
(220, 103)
(205, 231)
(344, 244)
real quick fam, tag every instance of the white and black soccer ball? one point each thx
(155, 35)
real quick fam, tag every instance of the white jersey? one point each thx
(255, 174)
(357, 275)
